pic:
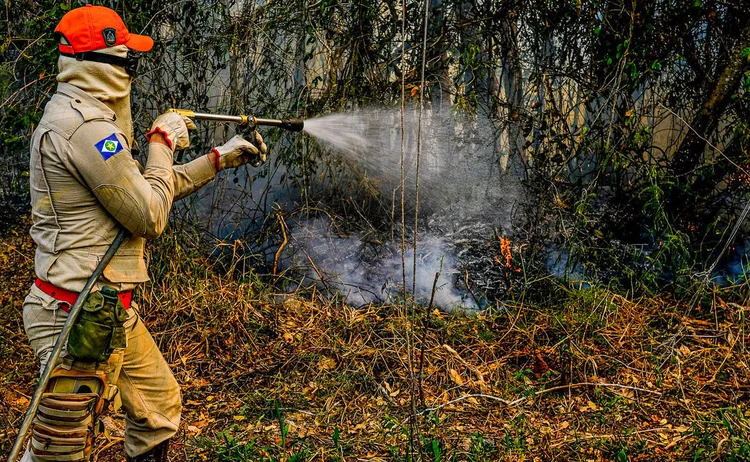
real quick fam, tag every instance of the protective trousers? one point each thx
(149, 392)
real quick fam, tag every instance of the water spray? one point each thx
(252, 122)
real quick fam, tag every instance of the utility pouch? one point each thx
(67, 419)
(99, 328)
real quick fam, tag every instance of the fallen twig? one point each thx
(480, 377)
(540, 392)
(462, 398)
(283, 243)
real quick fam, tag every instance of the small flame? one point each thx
(506, 252)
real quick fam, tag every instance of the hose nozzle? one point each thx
(293, 125)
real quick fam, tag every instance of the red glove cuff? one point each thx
(163, 133)
(218, 156)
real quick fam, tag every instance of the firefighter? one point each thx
(85, 186)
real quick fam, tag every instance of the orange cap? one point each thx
(92, 28)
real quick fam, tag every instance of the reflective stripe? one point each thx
(64, 423)
(57, 448)
(60, 457)
(67, 414)
(70, 397)
(61, 439)
(48, 431)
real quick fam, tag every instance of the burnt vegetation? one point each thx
(613, 297)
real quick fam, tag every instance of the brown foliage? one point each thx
(576, 381)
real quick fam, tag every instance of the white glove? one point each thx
(174, 127)
(238, 151)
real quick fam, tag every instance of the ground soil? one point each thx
(268, 376)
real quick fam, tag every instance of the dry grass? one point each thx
(268, 376)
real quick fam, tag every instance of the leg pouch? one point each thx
(70, 410)
(63, 427)
(66, 421)
(49, 440)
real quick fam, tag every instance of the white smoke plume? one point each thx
(463, 194)
(365, 272)
(466, 196)
(458, 156)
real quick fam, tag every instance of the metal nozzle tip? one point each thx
(295, 125)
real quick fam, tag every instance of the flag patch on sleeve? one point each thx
(109, 146)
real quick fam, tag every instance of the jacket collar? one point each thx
(82, 99)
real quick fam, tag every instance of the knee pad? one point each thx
(68, 416)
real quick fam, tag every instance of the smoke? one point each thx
(364, 272)
(560, 266)
(464, 196)
(458, 158)
(467, 197)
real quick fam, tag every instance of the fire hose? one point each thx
(247, 121)
(293, 124)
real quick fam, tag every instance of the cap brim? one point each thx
(140, 42)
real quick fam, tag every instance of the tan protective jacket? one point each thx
(84, 182)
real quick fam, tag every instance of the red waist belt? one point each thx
(69, 298)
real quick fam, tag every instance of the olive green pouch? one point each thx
(99, 328)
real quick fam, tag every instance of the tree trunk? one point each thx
(513, 89)
(689, 154)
